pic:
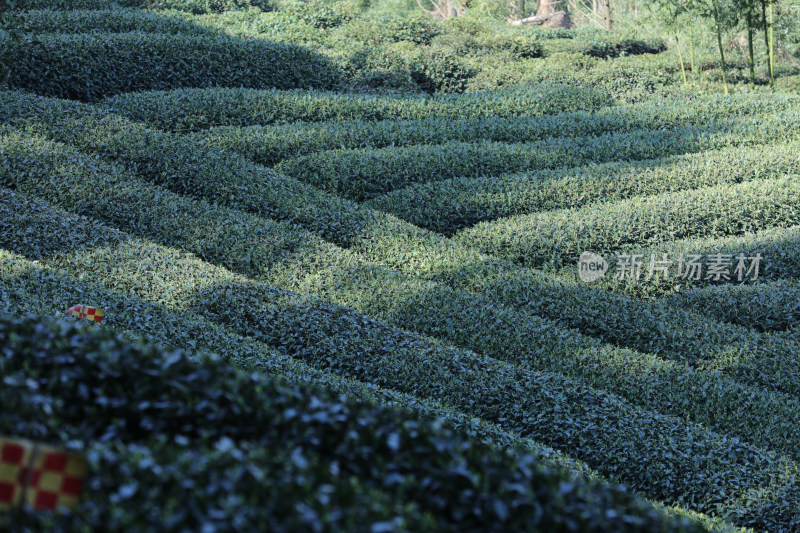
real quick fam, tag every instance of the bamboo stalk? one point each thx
(680, 58)
(691, 52)
(771, 44)
(719, 45)
(750, 48)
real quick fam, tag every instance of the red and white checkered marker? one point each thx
(86, 311)
(43, 477)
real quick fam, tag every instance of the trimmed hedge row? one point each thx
(357, 285)
(455, 204)
(769, 306)
(272, 26)
(268, 145)
(366, 173)
(779, 247)
(191, 6)
(375, 237)
(606, 49)
(551, 239)
(161, 319)
(191, 168)
(648, 326)
(194, 109)
(93, 66)
(181, 282)
(383, 239)
(202, 171)
(254, 444)
(576, 417)
(102, 21)
(67, 4)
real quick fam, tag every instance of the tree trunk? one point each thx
(546, 8)
(768, 38)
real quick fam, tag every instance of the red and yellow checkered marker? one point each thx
(43, 477)
(86, 311)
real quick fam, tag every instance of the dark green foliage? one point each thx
(313, 12)
(189, 6)
(429, 376)
(772, 306)
(268, 145)
(608, 49)
(552, 239)
(686, 392)
(454, 204)
(177, 443)
(193, 109)
(383, 29)
(103, 21)
(436, 72)
(94, 66)
(364, 174)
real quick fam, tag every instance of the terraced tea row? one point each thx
(93, 66)
(553, 239)
(195, 109)
(451, 205)
(749, 363)
(778, 247)
(366, 173)
(101, 210)
(336, 239)
(218, 419)
(140, 268)
(268, 145)
(493, 389)
(170, 326)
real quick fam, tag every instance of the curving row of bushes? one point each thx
(262, 452)
(270, 144)
(386, 240)
(777, 246)
(186, 167)
(182, 282)
(194, 109)
(771, 306)
(120, 20)
(365, 287)
(655, 327)
(452, 205)
(572, 415)
(93, 66)
(190, 6)
(552, 239)
(363, 174)
(140, 312)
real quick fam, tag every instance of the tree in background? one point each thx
(596, 12)
(767, 16)
(444, 9)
